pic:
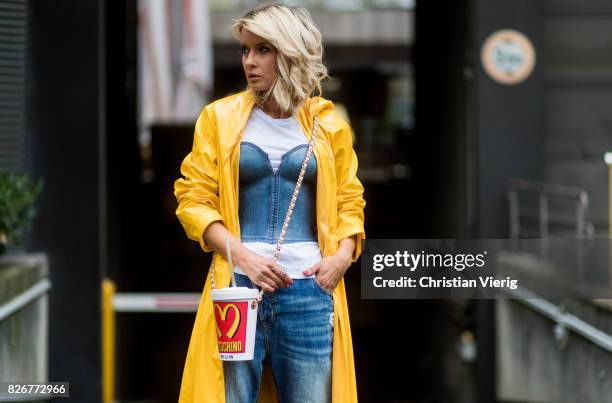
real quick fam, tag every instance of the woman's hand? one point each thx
(262, 271)
(329, 270)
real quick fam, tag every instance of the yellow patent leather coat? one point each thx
(209, 192)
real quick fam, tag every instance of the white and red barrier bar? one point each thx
(156, 302)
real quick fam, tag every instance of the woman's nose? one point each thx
(249, 59)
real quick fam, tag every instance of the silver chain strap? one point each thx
(296, 190)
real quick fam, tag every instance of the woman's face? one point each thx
(258, 61)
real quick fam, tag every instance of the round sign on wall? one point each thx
(508, 56)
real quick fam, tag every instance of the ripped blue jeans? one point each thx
(294, 336)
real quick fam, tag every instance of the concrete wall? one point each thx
(24, 334)
(576, 63)
(533, 367)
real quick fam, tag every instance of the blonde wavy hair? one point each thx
(299, 62)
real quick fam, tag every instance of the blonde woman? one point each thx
(238, 181)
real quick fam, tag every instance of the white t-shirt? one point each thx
(276, 137)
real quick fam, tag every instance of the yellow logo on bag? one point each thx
(223, 315)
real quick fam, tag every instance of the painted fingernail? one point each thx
(306, 272)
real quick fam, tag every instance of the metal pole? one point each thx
(608, 160)
(514, 214)
(21, 300)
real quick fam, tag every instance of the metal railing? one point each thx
(578, 199)
(564, 321)
(543, 213)
(31, 294)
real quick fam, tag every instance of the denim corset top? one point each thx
(265, 195)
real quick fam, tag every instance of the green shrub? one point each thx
(18, 193)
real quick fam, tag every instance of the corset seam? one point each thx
(275, 207)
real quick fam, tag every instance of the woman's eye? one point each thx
(264, 49)
(244, 50)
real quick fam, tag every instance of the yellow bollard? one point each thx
(108, 341)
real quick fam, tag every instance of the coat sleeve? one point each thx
(197, 192)
(350, 199)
